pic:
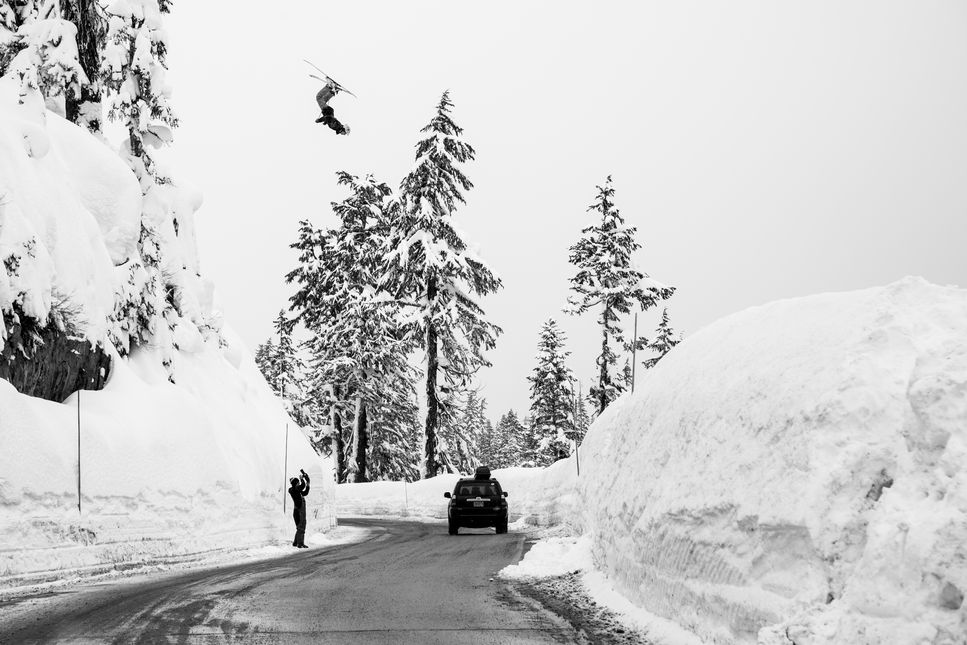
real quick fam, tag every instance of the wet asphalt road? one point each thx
(409, 582)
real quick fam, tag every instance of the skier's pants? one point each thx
(299, 515)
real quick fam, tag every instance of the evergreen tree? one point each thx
(133, 68)
(507, 441)
(530, 443)
(607, 279)
(289, 366)
(664, 341)
(42, 51)
(552, 410)
(582, 422)
(358, 346)
(486, 445)
(460, 441)
(266, 360)
(433, 271)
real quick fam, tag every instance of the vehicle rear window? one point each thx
(477, 489)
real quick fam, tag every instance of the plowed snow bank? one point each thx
(803, 463)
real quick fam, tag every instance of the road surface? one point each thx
(409, 582)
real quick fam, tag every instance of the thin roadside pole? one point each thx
(406, 499)
(285, 467)
(634, 349)
(78, 451)
(285, 457)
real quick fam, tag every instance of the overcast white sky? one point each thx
(764, 150)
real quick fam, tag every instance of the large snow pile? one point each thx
(796, 473)
(183, 451)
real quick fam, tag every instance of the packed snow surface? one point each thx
(796, 472)
(182, 454)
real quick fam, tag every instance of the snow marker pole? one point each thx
(634, 349)
(78, 452)
(285, 466)
(406, 499)
(285, 457)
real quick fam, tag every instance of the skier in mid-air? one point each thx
(323, 96)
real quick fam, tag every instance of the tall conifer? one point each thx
(608, 281)
(433, 271)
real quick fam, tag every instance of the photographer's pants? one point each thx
(299, 515)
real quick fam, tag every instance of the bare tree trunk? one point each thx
(340, 447)
(430, 465)
(86, 108)
(361, 443)
(604, 379)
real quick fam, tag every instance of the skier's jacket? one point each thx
(298, 491)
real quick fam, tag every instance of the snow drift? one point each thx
(536, 496)
(182, 452)
(796, 473)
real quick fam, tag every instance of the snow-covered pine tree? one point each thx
(140, 301)
(508, 438)
(432, 269)
(460, 440)
(265, 360)
(607, 279)
(133, 73)
(289, 365)
(358, 347)
(133, 68)
(581, 422)
(552, 403)
(485, 444)
(665, 339)
(395, 431)
(84, 107)
(46, 58)
(13, 13)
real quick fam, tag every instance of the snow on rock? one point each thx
(795, 473)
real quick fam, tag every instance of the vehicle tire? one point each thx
(502, 527)
(453, 528)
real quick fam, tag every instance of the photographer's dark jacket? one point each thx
(298, 491)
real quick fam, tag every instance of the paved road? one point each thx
(408, 583)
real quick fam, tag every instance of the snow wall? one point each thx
(796, 473)
(169, 470)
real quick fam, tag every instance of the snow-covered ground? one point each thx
(794, 473)
(182, 453)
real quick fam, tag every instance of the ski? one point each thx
(328, 79)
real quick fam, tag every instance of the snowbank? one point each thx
(536, 496)
(798, 468)
(182, 453)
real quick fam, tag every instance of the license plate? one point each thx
(478, 504)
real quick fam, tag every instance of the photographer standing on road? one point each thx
(298, 491)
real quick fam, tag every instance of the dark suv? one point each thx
(477, 502)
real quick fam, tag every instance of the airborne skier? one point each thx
(323, 96)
